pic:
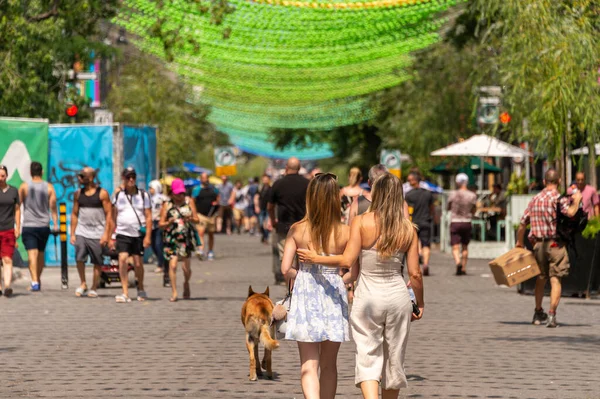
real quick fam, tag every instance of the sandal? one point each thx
(79, 292)
(92, 294)
(173, 299)
(7, 292)
(186, 290)
(142, 296)
(122, 299)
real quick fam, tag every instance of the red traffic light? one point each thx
(72, 110)
(505, 118)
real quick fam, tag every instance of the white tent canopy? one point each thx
(585, 150)
(482, 145)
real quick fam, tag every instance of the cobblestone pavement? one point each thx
(475, 340)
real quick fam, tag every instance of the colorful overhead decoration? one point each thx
(289, 64)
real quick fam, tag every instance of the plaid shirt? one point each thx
(541, 213)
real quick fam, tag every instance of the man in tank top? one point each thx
(39, 200)
(90, 228)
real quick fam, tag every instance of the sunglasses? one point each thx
(327, 175)
(130, 177)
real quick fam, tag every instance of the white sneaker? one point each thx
(200, 254)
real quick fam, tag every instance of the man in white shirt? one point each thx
(132, 218)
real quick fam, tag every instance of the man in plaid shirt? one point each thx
(550, 252)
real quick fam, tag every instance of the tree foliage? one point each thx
(39, 41)
(546, 55)
(145, 92)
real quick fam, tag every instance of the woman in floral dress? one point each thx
(318, 315)
(176, 218)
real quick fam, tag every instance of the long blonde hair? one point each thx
(323, 210)
(354, 177)
(396, 232)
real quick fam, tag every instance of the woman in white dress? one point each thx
(382, 309)
(318, 315)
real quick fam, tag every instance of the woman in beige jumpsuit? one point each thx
(382, 311)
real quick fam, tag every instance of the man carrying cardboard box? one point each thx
(549, 250)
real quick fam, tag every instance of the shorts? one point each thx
(424, 233)
(460, 233)
(88, 248)
(225, 212)
(238, 214)
(130, 245)
(250, 212)
(208, 223)
(7, 243)
(552, 258)
(35, 238)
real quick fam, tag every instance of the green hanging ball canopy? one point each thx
(287, 64)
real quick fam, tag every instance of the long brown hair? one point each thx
(354, 177)
(323, 210)
(396, 232)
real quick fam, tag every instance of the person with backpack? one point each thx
(132, 222)
(543, 214)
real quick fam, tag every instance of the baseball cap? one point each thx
(177, 186)
(462, 178)
(128, 172)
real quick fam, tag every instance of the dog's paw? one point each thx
(270, 376)
(259, 372)
(252, 378)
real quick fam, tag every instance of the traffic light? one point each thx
(71, 110)
(505, 118)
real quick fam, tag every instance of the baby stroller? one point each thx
(110, 269)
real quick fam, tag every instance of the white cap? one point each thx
(462, 178)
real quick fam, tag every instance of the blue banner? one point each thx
(70, 149)
(139, 151)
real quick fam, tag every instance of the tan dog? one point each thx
(256, 318)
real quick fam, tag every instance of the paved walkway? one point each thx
(475, 340)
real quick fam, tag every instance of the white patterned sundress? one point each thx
(319, 307)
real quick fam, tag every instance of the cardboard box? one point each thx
(514, 267)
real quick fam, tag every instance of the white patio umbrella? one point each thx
(586, 150)
(482, 145)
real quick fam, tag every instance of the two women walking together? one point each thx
(374, 248)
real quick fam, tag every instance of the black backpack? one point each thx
(567, 227)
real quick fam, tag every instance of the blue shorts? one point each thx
(35, 238)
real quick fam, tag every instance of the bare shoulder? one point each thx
(104, 194)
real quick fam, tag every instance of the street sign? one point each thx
(391, 160)
(225, 161)
(103, 117)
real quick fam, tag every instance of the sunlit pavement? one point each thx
(475, 340)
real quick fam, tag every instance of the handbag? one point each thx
(280, 311)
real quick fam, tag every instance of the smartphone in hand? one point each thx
(416, 310)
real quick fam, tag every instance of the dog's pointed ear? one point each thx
(250, 291)
(266, 292)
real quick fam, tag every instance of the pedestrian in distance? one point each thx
(350, 192)
(158, 198)
(225, 218)
(132, 223)
(288, 197)
(549, 249)
(39, 202)
(241, 203)
(90, 228)
(251, 213)
(318, 315)
(420, 201)
(382, 310)
(261, 200)
(462, 205)
(177, 218)
(589, 195)
(10, 227)
(207, 198)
